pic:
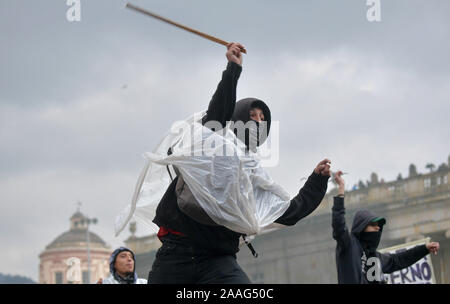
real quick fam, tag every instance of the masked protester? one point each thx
(122, 268)
(195, 249)
(357, 258)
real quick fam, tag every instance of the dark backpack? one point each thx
(189, 205)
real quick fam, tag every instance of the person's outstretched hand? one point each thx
(433, 247)
(340, 182)
(234, 52)
(323, 167)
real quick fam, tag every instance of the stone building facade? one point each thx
(65, 260)
(415, 207)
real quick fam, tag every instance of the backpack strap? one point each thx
(250, 246)
(169, 152)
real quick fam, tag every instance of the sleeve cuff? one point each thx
(338, 202)
(424, 251)
(319, 177)
(234, 68)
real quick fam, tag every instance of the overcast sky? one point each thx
(80, 102)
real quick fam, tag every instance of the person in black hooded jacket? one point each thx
(356, 251)
(196, 252)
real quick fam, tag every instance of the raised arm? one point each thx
(391, 262)
(340, 231)
(309, 197)
(222, 104)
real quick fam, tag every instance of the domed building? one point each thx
(65, 260)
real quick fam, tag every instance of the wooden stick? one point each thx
(212, 38)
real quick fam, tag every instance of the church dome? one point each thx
(76, 236)
(76, 255)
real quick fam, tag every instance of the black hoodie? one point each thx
(351, 252)
(218, 239)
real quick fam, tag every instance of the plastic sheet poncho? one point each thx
(227, 181)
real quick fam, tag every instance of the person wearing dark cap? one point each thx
(196, 250)
(357, 258)
(122, 268)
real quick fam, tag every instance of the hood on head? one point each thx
(242, 113)
(112, 259)
(362, 219)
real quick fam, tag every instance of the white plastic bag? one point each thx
(230, 185)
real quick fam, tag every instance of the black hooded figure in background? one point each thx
(194, 249)
(357, 258)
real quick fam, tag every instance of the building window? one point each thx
(427, 183)
(445, 179)
(85, 278)
(58, 277)
(438, 180)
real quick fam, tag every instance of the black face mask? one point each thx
(370, 240)
(256, 135)
(252, 136)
